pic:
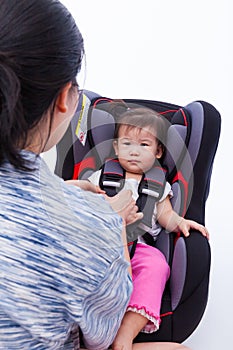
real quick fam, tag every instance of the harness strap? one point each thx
(150, 190)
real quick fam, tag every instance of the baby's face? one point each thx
(137, 149)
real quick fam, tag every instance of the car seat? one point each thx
(192, 141)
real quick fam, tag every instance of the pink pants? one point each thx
(150, 272)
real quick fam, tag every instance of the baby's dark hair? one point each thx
(141, 117)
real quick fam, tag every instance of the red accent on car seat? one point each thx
(101, 99)
(184, 116)
(87, 163)
(167, 314)
(179, 177)
(168, 111)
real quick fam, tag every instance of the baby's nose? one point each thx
(134, 150)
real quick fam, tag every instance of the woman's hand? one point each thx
(122, 203)
(85, 185)
(125, 206)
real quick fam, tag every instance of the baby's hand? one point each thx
(185, 225)
(85, 185)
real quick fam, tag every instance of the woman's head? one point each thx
(41, 50)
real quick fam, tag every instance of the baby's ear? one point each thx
(159, 151)
(115, 146)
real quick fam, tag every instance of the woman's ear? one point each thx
(62, 98)
(159, 151)
(115, 146)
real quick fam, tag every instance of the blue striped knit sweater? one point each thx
(61, 263)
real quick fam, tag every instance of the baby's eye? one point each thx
(126, 143)
(144, 144)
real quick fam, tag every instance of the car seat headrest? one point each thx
(102, 126)
(176, 136)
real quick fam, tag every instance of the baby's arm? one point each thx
(172, 222)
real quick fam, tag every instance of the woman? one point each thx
(62, 267)
(59, 263)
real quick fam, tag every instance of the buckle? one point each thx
(113, 180)
(111, 184)
(151, 188)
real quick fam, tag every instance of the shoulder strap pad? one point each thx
(153, 182)
(150, 191)
(112, 177)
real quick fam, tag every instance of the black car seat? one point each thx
(192, 141)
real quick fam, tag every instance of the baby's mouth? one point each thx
(133, 161)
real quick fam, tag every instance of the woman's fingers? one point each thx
(125, 206)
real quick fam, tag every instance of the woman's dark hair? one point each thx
(41, 50)
(142, 117)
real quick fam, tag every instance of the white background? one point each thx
(174, 51)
